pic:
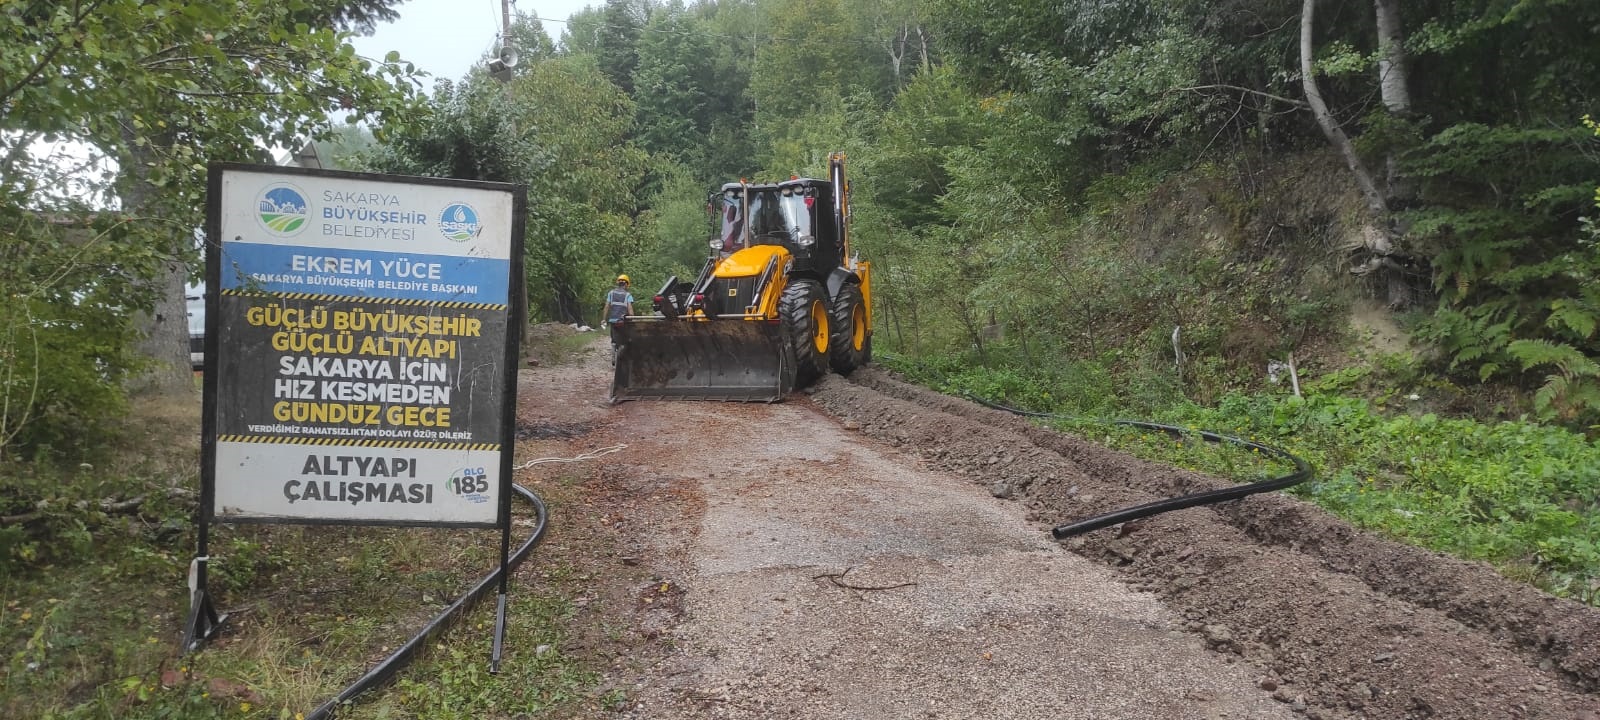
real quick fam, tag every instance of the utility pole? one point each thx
(505, 55)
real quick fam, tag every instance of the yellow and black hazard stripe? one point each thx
(398, 444)
(324, 297)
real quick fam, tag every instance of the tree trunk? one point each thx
(571, 308)
(897, 53)
(1022, 339)
(1325, 120)
(916, 325)
(524, 338)
(892, 309)
(969, 322)
(164, 328)
(1392, 76)
(1377, 239)
(1393, 84)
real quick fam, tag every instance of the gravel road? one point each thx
(874, 550)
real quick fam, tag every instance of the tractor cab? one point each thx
(796, 214)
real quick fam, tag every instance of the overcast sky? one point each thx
(441, 37)
(445, 37)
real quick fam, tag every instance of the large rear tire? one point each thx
(803, 310)
(849, 342)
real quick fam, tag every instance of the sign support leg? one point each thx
(500, 602)
(203, 621)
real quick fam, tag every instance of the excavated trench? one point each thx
(1344, 621)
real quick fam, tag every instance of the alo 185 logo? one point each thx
(469, 484)
(459, 222)
(282, 210)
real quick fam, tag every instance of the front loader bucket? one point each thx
(724, 359)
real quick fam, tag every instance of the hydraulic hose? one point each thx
(403, 656)
(1302, 472)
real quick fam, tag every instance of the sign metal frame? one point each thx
(203, 620)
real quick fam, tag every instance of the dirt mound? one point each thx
(1347, 622)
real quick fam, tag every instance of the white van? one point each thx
(194, 297)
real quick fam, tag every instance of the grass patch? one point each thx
(310, 608)
(452, 680)
(1520, 495)
(92, 603)
(558, 638)
(557, 344)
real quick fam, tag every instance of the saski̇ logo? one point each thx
(459, 222)
(282, 209)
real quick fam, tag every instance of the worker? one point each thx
(732, 228)
(619, 305)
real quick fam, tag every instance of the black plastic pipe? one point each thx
(1302, 472)
(403, 656)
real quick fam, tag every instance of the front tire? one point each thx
(803, 310)
(850, 340)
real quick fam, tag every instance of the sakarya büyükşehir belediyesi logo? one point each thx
(282, 209)
(459, 222)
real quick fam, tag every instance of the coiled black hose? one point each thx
(1302, 472)
(403, 656)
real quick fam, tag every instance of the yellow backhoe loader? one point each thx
(781, 300)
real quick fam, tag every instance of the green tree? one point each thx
(896, 39)
(805, 63)
(582, 32)
(730, 150)
(66, 334)
(677, 225)
(529, 38)
(907, 170)
(152, 91)
(616, 44)
(561, 128)
(581, 223)
(675, 84)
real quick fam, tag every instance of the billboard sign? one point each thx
(361, 344)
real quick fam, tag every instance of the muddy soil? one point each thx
(874, 550)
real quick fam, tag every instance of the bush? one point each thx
(66, 337)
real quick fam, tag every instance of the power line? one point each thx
(702, 33)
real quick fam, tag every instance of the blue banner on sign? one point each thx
(364, 273)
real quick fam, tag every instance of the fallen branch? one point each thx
(1236, 88)
(121, 507)
(109, 506)
(837, 579)
(19, 519)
